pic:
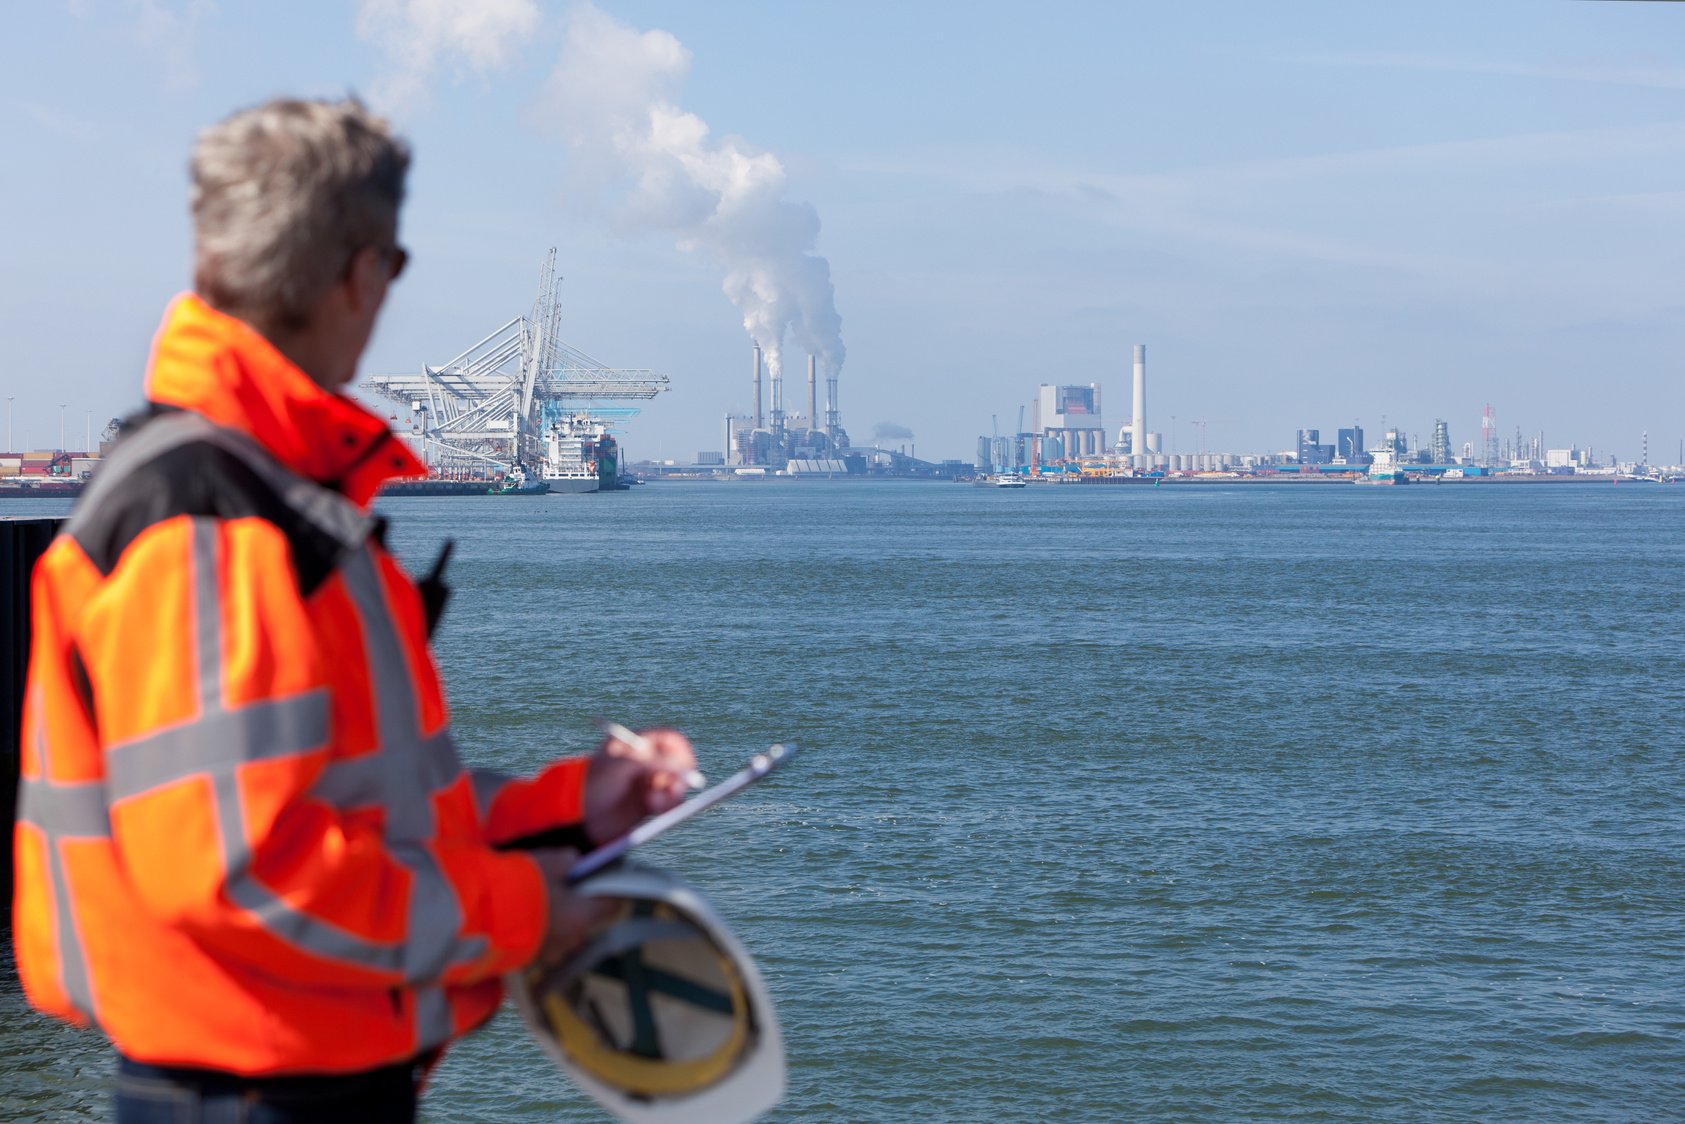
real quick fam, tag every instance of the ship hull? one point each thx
(571, 485)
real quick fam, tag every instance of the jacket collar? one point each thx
(219, 366)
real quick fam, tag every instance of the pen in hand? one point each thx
(643, 751)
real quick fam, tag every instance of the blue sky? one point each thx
(1310, 212)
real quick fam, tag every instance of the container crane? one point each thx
(486, 409)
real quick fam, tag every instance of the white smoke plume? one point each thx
(614, 96)
(419, 36)
(890, 431)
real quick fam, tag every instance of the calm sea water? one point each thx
(1117, 804)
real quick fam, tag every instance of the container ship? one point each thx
(580, 456)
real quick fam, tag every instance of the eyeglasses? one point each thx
(395, 255)
(399, 257)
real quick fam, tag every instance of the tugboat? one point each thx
(516, 482)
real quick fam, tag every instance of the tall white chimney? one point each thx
(1138, 424)
(758, 418)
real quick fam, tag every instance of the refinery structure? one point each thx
(503, 404)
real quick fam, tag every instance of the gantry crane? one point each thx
(486, 409)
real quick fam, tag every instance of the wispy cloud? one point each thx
(1004, 170)
(1259, 205)
(421, 37)
(52, 120)
(169, 31)
(1613, 73)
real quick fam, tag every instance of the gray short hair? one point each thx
(283, 194)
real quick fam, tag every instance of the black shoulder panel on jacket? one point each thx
(199, 478)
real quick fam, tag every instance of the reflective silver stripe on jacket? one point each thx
(64, 813)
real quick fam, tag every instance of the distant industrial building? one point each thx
(1311, 449)
(1568, 458)
(1069, 425)
(1439, 451)
(1068, 421)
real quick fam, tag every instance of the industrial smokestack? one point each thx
(812, 395)
(758, 419)
(1138, 424)
(833, 416)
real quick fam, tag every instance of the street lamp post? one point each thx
(61, 426)
(9, 400)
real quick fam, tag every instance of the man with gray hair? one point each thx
(246, 849)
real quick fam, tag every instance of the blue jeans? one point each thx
(147, 1094)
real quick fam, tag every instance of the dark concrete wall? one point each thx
(22, 541)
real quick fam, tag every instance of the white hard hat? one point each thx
(660, 1015)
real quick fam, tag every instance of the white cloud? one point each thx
(419, 37)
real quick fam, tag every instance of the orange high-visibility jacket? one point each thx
(244, 840)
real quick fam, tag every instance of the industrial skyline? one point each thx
(1066, 419)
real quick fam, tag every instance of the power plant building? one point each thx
(1068, 426)
(1068, 420)
(771, 436)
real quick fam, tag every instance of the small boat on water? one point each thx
(516, 482)
(1008, 480)
(1385, 469)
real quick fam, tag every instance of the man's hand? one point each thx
(625, 783)
(571, 917)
